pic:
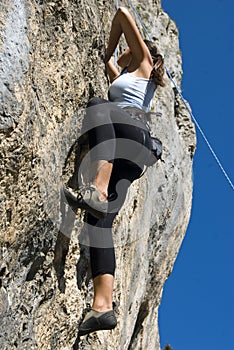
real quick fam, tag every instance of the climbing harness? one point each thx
(180, 94)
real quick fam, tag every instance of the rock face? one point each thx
(51, 58)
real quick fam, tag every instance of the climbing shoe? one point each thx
(96, 321)
(88, 198)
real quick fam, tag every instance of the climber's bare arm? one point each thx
(112, 71)
(124, 23)
(123, 61)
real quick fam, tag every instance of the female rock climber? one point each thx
(119, 143)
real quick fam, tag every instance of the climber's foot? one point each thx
(96, 321)
(88, 199)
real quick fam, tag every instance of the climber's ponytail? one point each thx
(158, 69)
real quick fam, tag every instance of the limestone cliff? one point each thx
(51, 63)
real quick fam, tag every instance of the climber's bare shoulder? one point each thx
(140, 70)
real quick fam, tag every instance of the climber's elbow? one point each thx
(121, 13)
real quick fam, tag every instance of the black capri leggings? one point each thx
(116, 137)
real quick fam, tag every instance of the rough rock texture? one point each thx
(51, 63)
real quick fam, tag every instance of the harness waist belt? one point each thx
(138, 114)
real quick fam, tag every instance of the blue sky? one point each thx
(197, 310)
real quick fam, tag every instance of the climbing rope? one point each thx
(116, 4)
(116, 50)
(180, 94)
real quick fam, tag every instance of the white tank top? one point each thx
(131, 91)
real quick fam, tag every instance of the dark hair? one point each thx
(158, 69)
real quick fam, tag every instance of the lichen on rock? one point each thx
(51, 56)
